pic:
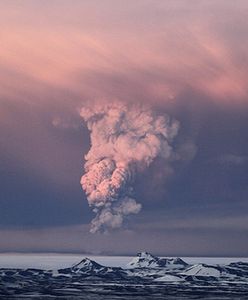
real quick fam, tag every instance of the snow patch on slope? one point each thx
(202, 270)
(169, 278)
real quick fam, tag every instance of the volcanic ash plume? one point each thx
(125, 139)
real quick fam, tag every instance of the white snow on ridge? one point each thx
(143, 260)
(147, 260)
(85, 263)
(201, 270)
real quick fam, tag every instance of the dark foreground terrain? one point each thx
(145, 277)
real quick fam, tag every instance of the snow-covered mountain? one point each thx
(203, 270)
(230, 271)
(147, 260)
(143, 270)
(88, 268)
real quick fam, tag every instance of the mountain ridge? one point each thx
(144, 269)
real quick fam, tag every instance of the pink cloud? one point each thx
(53, 56)
(164, 48)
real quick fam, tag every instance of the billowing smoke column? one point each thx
(125, 139)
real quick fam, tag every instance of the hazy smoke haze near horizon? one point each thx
(145, 103)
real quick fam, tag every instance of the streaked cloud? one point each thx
(106, 50)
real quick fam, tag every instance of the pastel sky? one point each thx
(188, 59)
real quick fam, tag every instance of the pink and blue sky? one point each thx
(185, 58)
